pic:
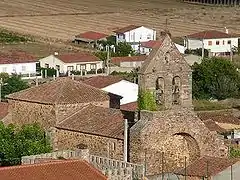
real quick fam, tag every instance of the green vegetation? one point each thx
(16, 142)
(146, 101)
(234, 152)
(203, 105)
(12, 84)
(10, 37)
(215, 78)
(50, 71)
(131, 76)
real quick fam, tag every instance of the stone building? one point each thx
(173, 135)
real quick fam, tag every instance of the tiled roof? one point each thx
(62, 170)
(212, 126)
(77, 57)
(117, 60)
(96, 120)
(133, 106)
(102, 81)
(212, 34)
(151, 44)
(61, 91)
(126, 29)
(3, 109)
(16, 57)
(91, 35)
(219, 116)
(212, 165)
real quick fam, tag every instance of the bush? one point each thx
(234, 152)
(50, 72)
(205, 105)
(10, 37)
(146, 101)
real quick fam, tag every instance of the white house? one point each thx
(218, 43)
(128, 61)
(18, 62)
(72, 62)
(134, 35)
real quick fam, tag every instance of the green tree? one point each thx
(4, 76)
(146, 101)
(215, 78)
(124, 49)
(17, 142)
(13, 84)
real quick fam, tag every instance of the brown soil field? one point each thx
(63, 19)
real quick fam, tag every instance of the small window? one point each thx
(223, 42)
(14, 69)
(92, 66)
(4, 69)
(149, 36)
(209, 43)
(229, 42)
(217, 42)
(70, 68)
(58, 67)
(46, 65)
(23, 68)
(82, 66)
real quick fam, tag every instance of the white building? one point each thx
(218, 43)
(134, 34)
(19, 63)
(146, 47)
(72, 62)
(128, 61)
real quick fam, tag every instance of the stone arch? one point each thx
(160, 91)
(176, 90)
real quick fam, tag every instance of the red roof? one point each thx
(16, 57)
(133, 106)
(126, 29)
(3, 109)
(117, 60)
(61, 170)
(212, 34)
(91, 35)
(77, 57)
(151, 44)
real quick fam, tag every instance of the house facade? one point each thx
(134, 35)
(72, 62)
(19, 63)
(216, 42)
(128, 61)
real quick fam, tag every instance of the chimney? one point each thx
(226, 30)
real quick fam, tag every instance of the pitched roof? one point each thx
(117, 60)
(132, 106)
(151, 44)
(214, 165)
(212, 126)
(96, 120)
(91, 35)
(77, 57)
(14, 57)
(61, 170)
(212, 34)
(61, 91)
(219, 116)
(126, 29)
(3, 109)
(102, 81)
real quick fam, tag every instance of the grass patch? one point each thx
(205, 105)
(11, 37)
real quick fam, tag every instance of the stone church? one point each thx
(166, 139)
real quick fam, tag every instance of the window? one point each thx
(93, 66)
(223, 42)
(58, 67)
(46, 65)
(82, 66)
(217, 42)
(229, 42)
(209, 43)
(149, 36)
(4, 69)
(132, 36)
(23, 68)
(140, 36)
(14, 69)
(70, 68)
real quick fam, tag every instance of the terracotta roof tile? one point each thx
(3, 109)
(151, 44)
(96, 120)
(16, 57)
(214, 165)
(77, 57)
(212, 34)
(126, 29)
(61, 91)
(212, 126)
(133, 106)
(62, 170)
(117, 60)
(219, 116)
(91, 35)
(102, 81)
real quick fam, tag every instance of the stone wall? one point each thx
(168, 137)
(97, 145)
(27, 112)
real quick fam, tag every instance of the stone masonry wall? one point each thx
(97, 145)
(27, 112)
(168, 137)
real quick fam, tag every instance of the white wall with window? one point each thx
(19, 68)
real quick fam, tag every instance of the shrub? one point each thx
(146, 101)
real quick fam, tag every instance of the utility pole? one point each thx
(108, 59)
